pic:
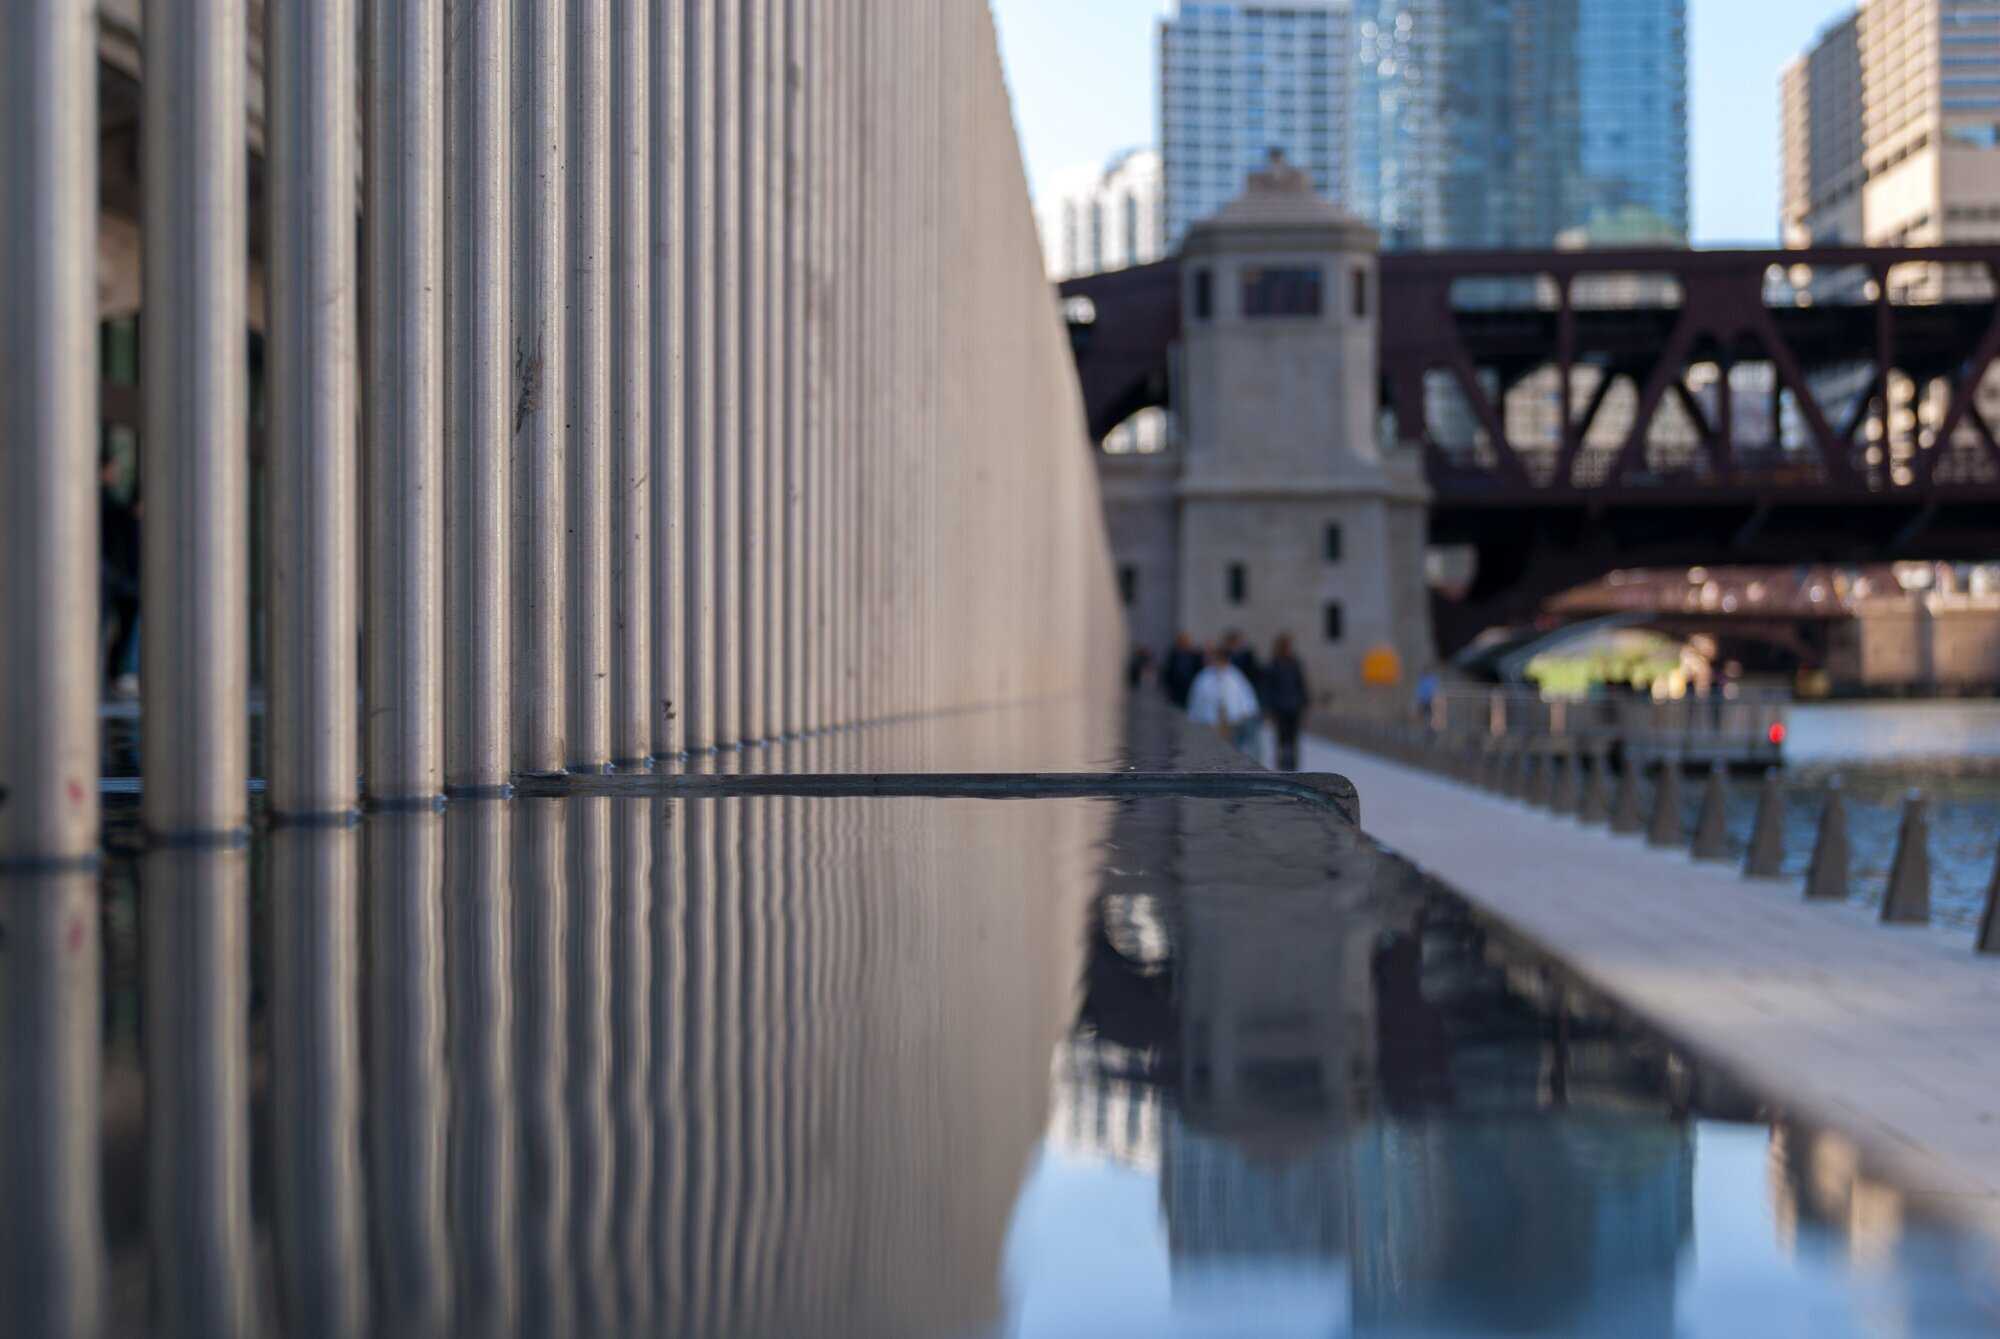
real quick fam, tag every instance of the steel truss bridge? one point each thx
(1579, 411)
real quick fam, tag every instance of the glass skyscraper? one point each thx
(1460, 123)
(1240, 79)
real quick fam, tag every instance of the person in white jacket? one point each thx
(1223, 699)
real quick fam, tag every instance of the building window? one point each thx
(1360, 291)
(1333, 621)
(1204, 295)
(1239, 583)
(1281, 292)
(1332, 543)
(1128, 584)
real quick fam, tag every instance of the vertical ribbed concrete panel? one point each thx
(814, 632)
(666, 171)
(753, 534)
(194, 583)
(403, 409)
(541, 555)
(311, 567)
(588, 293)
(700, 278)
(726, 259)
(795, 339)
(481, 398)
(778, 341)
(632, 445)
(49, 671)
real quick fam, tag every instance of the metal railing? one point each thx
(693, 384)
(1745, 727)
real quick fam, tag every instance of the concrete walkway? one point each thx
(1889, 1035)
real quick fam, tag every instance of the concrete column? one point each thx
(53, 1261)
(196, 916)
(753, 536)
(50, 674)
(403, 425)
(194, 569)
(409, 1103)
(541, 555)
(632, 445)
(589, 297)
(311, 597)
(726, 256)
(779, 338)
(315, 1029)
(801, 90)
(700, 277)
(481, 399)
(667, 178)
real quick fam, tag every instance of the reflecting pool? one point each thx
(789, 1066)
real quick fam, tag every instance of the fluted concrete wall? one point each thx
(713, 396)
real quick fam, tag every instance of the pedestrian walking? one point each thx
(1223, 700)
(1286, 695)
(1177, 676)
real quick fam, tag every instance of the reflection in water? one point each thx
(408, 1118)
(197, 1009)
(480, 1176)
(316, 1067)
(790, 1066)
(52, 1242)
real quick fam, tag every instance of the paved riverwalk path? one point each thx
(1889, 1035)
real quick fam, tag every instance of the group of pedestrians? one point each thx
(1225, 687)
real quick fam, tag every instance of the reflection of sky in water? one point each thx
(1088, 1254)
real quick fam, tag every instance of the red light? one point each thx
(1777, 732)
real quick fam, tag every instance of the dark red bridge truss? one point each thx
(1863, 438)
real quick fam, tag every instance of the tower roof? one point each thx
(1279, 197)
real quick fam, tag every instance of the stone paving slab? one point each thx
(1889, 1035)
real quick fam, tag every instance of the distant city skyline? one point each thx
(1083, 75)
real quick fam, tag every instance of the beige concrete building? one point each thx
(1280, 510)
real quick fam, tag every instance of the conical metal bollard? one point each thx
(1711, 831)
(1908, 901)
(1989, 924)
(1627, 814)
(1540, 764)
(1667, 827)
(1767, 839)
(1596, 806)
(1826, 876)
(1563, 796)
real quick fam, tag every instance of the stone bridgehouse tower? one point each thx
(1283, 507)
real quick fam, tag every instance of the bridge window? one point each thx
(1333, 543)
(1360, 291)
(1281, 291)
(1128, 584)
(1334, 621)
(1204, 295)
(1239, 583)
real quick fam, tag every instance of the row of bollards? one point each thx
(1577, 778)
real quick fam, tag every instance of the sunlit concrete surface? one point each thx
(1888, 1034)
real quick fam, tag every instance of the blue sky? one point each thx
(1082, 76)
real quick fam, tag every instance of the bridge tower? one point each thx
(1295, 514)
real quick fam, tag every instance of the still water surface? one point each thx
(881, 1067)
